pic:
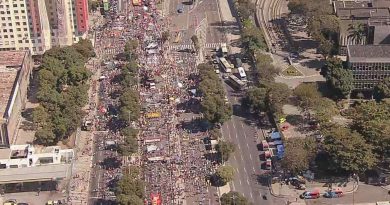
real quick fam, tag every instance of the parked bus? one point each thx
(226, 66)
(242, 73)
(136, 2)
(236, 83)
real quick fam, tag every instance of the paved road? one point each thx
(249, 179)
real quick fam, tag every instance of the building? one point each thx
(15, 71)
(26, 163)
(38, 25)
(372, 16)
(369, 64)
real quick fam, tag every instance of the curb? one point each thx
(385, 188)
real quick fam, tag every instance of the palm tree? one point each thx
(196, 43)
(357, 32)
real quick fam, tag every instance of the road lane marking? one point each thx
(233, 187)
(238, 171)
(247, 145)
(247, 181)
(239, 147)
(254, 171)
(240, 182)
(251, 195)
(242, 158)
(233, 124)
(236, 136)
(245, 170)
(250, 156)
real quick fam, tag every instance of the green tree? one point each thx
(357, 32)
(39, 116)
(233, 198)
(339, 78)
(278, 95)
(324, 110)
(130, 49)
(371, 119)
(165, 36)
(382, 90)
(195, 41)
(307, 95)
(130, 199)
(252, 39)
(256, 99)
(45, 136)
(298, 154)
(225, 174)
(225, 149)
(348, 150)
(128, 185)
(215, 134)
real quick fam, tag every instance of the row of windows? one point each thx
(371, 67)
(370, 77)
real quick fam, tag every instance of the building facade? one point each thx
(15, 71)
(38, 25)
(370, 64)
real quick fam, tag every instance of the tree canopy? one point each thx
(225, 149)
(338, 78)
(307, 95)
(382, 90)
(298, 154)
(214, 107)
(233, 198)
(62, 91)
(224, 174)
(348, 150)
(129, 189)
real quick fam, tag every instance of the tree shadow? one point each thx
(27, 114)
(111, 163)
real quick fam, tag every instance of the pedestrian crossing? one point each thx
(191, 46)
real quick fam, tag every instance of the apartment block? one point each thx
(38, 25)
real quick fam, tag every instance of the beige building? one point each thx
(15, 71)
(38, 25)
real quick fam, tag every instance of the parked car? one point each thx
(310, 195)
(334, 194)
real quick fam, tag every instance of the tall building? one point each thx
(369, 64)
(15, 71)
(38, 25)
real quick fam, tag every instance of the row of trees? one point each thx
(130, 188)
(62, 92)
(214, 107)
(353, 148)
(129, 102)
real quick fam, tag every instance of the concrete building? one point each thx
(26, 163)
(38, 25)
(373, 16)
(15, 71)
(370, 64)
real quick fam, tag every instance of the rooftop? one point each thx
(381, 35)
(369, 53)
(10, 64)
(38, 173)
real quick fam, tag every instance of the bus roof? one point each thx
(241, 71)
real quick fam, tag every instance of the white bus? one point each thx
(236, 83)
(226, 66)
(242, 73)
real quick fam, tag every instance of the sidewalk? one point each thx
(283, 190)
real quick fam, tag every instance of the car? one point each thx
(310, 195)
(180, 8)
(333, 194)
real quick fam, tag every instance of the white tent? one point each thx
(151, 148)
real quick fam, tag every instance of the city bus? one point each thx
(236, 83)
(136, 2)
(226, 66)
(242, 73)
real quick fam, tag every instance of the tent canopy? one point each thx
(275, 135)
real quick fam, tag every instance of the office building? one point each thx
(369, 64)
(38, 25)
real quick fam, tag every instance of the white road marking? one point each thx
(251, 195)
(242, 158)
(239, 147)
(245, 170)
(236, 136)
(233, 124)
(234, 156)
(254, 171)
(247, 181)
(247, 145)
(240, 182)
(238, 171)
(250, 156)
(233, 187)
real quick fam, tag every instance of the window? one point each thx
(40, 49)
(20, 35)
(18, 29)
(32, 41)
(11, 30)
(27, 41)
(5, 36)
(18, 23)
(15, 5)
(16, 17)
(20, 41)
(16, 11)
(4, 24)
(24, 23)
(4, 30)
